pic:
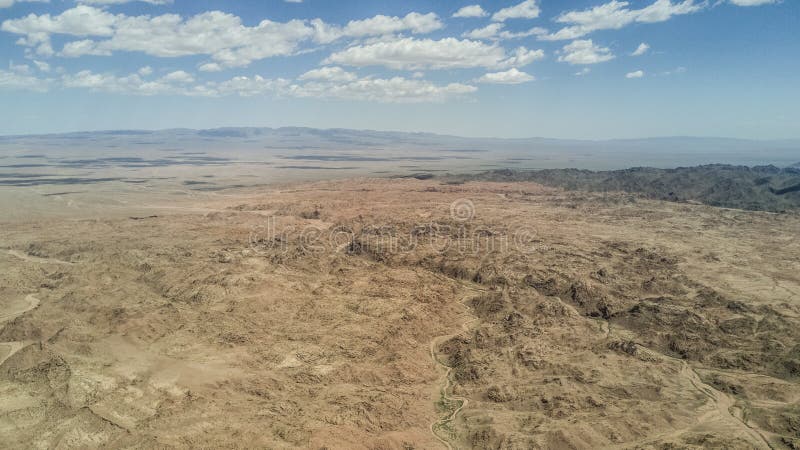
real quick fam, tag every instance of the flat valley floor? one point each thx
(398, 314)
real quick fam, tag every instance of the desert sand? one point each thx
(399, 313)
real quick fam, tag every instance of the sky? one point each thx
(582, 69)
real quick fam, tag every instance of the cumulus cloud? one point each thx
(641, 49)
(391, 90)
(10, 3)
(421, 54)
(329, 74)
(635, 74)
(78, 21)
(471, 11)
(41, 65)
(752, 2)
(117, 2)
(617, 14)
(511, 76)
(494, 31)
(326, 82)
(585, 52)
(525, 10)
(220, 35)
(110, 83)
(174, 83)
(12, 80)
(19, 68)
(488, 32)
(210, 67)
(243, 86)
(382, 25)
(179, 76)
(83, 47)
(379, 25)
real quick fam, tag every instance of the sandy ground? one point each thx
(376, 313)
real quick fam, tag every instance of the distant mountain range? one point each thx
(664, 152)
(339, 134)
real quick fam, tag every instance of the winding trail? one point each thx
(13, 347)
(8, 349)
(31, 302)
(36, 259)
(463, 401)
(722, 409)
(723, 403)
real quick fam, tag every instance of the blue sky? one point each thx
(567, 69)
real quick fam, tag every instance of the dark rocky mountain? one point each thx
(761, 188)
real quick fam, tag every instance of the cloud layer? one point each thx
(495, 49)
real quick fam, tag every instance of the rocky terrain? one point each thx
(760, 188)
(401, 313)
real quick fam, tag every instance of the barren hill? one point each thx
(402, 314)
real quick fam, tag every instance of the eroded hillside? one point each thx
(403, 314)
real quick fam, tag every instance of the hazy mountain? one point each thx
(255, 143)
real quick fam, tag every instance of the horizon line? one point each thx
(155, 130)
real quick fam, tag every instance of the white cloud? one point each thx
(78, 21)
(752, 2)
(521, 57)
(379, 25)
(10, 3)
(210, 67)
(585, 52)
(636, 74)
(329, 74)
(420, 54)
(488, 32)
(83, 47)
(471, 11)
(391, 90)
(511, 76)
(118, 2)
(42, 66)
(382, 25)
(535, 31)
(244, 87)
(179, 76)
(333, 83)
(494, 31)
(582, 72)
(175, 83)
(101, 82)
(19, 68)
(528, 9)
(615, 15)
(220, 35)
(641, 49)
(21, 81)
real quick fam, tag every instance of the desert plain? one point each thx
(397, 313)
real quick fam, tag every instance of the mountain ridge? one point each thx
(241, 131)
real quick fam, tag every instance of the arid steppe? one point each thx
(400, 313)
